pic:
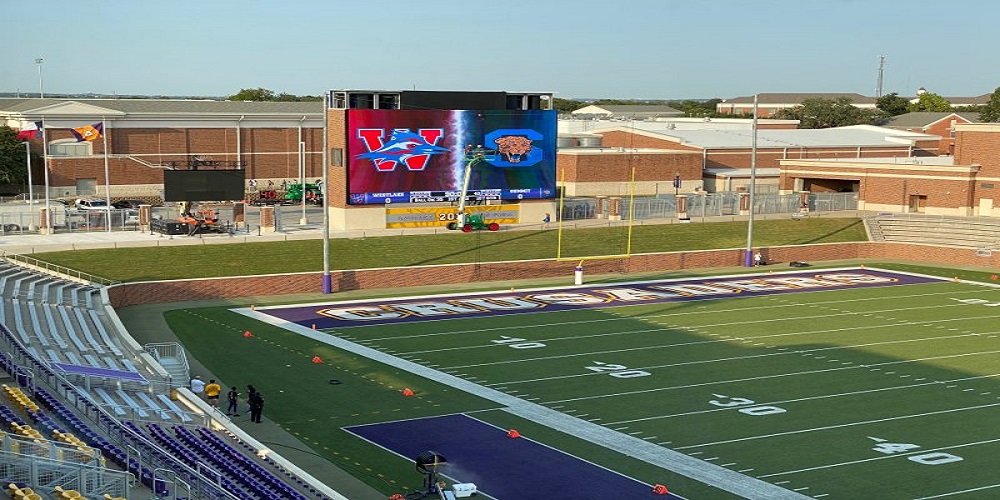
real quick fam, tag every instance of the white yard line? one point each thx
(699, 470)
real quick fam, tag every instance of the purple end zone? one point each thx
(400, 310)
(500, 466)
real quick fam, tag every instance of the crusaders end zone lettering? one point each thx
(653, 292)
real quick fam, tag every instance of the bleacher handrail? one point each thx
(115, 482)
(56, 270)
(63, 387)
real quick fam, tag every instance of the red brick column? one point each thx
(267, 220)
(615, 208)
(744, 203)
(44, 221)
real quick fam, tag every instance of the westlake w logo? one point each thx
(403, 146)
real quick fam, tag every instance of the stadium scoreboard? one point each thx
(453, 196)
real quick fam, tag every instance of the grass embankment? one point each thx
(204, 261)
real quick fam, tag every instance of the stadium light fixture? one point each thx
(41, 87)
(427, 463)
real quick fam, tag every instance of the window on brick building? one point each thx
(70, 147)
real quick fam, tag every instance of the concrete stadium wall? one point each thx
(249, 286)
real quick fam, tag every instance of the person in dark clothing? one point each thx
(233, 398)
(256, 406)
(251, 390)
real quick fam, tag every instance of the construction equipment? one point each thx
(313, 193)
(474, 155)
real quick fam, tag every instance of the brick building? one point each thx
(702, 156)
(965, 184)
(932, 122)
(144, 137)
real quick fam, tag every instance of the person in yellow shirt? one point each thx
(212, 392)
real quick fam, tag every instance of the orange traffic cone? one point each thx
(407, 392)
(317, 359)
(660, 489)
(513, 433)
(247, 334)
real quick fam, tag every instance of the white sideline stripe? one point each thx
(719, 477)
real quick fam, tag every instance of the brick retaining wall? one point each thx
(249, 286)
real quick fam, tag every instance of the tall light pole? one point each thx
(41, 86)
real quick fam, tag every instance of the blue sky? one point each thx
(652, 49)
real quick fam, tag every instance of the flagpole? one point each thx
(27, 162)
(749, 260)
(325, 160)
(107, 177)
(45, 162)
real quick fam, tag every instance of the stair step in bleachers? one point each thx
(53, 356)
(111, 344)
(7, 277)
(19, 287)
(71, 329)
(969, 232)
(36, 324)
(174, 409)
(55, 327)
(60, 292)
(22, 332)
(104, 399)
(152, 404)
(85, 329)
(139, 411)
(73, 358)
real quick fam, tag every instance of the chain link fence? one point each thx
(706, 205)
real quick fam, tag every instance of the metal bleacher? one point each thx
(60, 333)
(951, 231)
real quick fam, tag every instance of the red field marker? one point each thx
(247, 334)
(407, 392)
(513, 433)
(660, 489)
(317, 359)
(994, 277)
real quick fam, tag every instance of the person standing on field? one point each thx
(198, 386)
(256, 407)
(233, 397)
(212, 392)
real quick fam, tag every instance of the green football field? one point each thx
(885, 391)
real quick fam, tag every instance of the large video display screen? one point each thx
(203, 185)
(415, 156)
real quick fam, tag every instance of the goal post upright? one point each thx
(582, 259)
